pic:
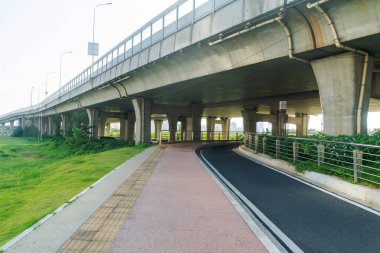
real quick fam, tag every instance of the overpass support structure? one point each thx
(339, 81)
(143, 111)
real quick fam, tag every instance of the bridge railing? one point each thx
(180, 15)
(357, 162)
(175, 18)
(204, 136)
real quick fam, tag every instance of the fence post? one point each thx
(256, 143)
(278, 144)
(264, 144)
(358, 161)
(160, 138)
(296, 146)
(321, 154)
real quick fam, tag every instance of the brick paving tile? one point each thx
(101, 229)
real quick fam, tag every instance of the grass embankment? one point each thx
(38, 177)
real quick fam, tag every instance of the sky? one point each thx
(34, 34)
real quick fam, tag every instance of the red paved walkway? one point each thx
(181, 209)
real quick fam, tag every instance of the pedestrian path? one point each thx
(181, 209)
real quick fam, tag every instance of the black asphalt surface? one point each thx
(313, 220)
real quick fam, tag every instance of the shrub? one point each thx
(18, 132)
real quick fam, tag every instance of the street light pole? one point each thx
(93, 25)
(31, 96)
(60, 67)
(46, 83)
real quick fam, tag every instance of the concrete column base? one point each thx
(143, 109)
(339, 78)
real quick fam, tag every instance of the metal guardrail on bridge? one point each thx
(352, 160)
(215, 136)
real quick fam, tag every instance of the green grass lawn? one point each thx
(38, 177)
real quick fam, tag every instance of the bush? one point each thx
(30, 131)
(18, 132)
(81, 142)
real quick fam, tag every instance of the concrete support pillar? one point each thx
(66, 124)
(2, 129)
(282, 119)
(123, 129)
(197, 111)
(93, 121)
(108, 128)
(183, 120)
(127, 127)
(49, 126)
(210, 128)
(102, 127)
(302, 125)
(226, 122)
(11, 127)
(131, 126)
(21, 122)
(143, 111)
(172, 120)
(339, 80)
(249, 119)
(157, 128)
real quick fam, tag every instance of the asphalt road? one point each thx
(313, 220)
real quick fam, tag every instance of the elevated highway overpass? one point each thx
(230, 58)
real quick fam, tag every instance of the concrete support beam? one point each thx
(339, 78)
(157, 128)
(196, 115)
(210, 128)
(93, 121)
(143, 109)
(303, 126)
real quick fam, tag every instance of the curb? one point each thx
(357, 193)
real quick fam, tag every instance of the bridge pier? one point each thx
(210, 128)
(183, 121)
(172, 120)
(225, 122)
(2, 129)
(143, 111)
(66, 124)
(93, 121)
(157, 128)
(196, 120)
(11, 127)
(249, 119)
(339, 80)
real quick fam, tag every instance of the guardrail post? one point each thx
(256, 143)
(321, 154)
(296, 146)
(264, 144)
(160, 138)
(278, 144)
(358, 162)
